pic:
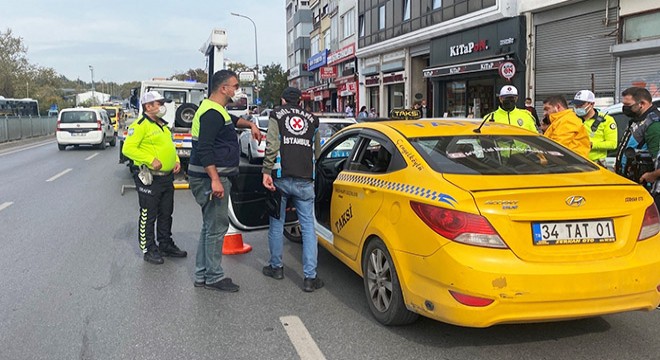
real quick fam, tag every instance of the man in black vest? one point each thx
(292, 147)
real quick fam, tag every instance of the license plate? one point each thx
(78, 134)
(573, 232)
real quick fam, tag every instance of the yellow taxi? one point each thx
(480, 224)
(116, 115)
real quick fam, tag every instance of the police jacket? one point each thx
(292, 143)
(567, 129)
(517, 117)
(648, 131)
(214, 141)
(602, 134)
(147, 140)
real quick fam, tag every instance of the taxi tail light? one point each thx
(459, 226)
(470, 300)
(650, 224)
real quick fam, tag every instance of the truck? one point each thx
(186, 97)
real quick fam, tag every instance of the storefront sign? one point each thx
(507, 70)
(372, 80)
(246, 76)
(328, 72)
(318, 98)
(371, 61)
(507, 41)
(469, 48)
(395, 77)
(294, 72)
(317, 60)
(342, 54)
(485, 65)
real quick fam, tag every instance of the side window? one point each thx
(372, 157)
(343, 149)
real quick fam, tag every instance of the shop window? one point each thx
(641, 27)
(455, 100)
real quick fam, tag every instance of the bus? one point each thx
(18, 107)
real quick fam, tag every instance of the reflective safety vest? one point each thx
(205, 106)
(146, 140)
(602, 134)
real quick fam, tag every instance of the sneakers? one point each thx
(199, 283)
(275, 273)
(311, 284)
(153, 256)
(223, 285)
(171, 250)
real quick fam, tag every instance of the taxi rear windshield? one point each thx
(499, 155)
(78, 117)
(111, 112)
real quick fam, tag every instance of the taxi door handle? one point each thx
(368, 190)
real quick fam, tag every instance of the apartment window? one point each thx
(334, 29)
(290, 37)
(303, 29)
(437, 4)
(406, 10)
(326, 40)
(348, 20)
(381, 17)
(361, 26)
(641, 27)
(315, 44)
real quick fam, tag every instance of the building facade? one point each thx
(414, 51)
(298, 28)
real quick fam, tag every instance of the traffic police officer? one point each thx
(149, 145)
(508, 113)
(600, 126)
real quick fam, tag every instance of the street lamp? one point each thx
(256, 53)
(91, 68)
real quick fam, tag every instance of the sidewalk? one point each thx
(24, 142)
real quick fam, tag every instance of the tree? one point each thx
(13, 62)
(275, 81)
(198, 75)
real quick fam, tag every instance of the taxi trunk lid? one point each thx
(554, 218)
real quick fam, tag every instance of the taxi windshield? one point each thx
(498, 155)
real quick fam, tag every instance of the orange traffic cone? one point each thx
(233, 243)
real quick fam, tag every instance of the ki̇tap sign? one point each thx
(469, 48)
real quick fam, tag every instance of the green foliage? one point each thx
(275, 81)
(198, 75)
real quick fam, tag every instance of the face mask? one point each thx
(627, 110)
(581, 112)
(508, 104)
(238, 94)
(162, 110)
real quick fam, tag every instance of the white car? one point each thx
(84, 126)
(253, 149)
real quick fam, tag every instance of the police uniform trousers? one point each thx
(156, 208)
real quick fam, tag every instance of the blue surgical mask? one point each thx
(581, 112)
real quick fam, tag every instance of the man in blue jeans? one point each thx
(292, 147)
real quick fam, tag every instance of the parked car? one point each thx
(460, 226)
(84, 126)
(253, 149)
(116, 115)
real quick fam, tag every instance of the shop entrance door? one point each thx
(480, 97)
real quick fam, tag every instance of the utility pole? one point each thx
(91, 68)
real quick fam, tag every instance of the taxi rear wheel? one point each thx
(382, 288)
(293, 233)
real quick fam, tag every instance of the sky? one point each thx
(141, 39)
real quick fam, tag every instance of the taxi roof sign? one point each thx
(405, 114)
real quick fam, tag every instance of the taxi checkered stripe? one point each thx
(398, 187)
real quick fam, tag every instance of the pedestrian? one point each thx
(348, 110)
(372, 113)
(508, 113)
(292, 147)
(565, 127)
(423, 108)
(529, 106)
(214, 159)
(363, 114)
(150, 147)
(600, 126)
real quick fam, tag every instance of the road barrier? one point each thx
(23, 127)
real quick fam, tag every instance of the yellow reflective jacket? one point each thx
(517, 117)
(567, 129)
(147, 141)
(604, 137)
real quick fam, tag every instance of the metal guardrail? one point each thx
(23, 127)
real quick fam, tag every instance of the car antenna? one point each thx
(478, 130)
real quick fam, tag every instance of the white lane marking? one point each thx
(5, 205)
(91, 156)
(58, 175)
(301, 339)
(25, 148)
